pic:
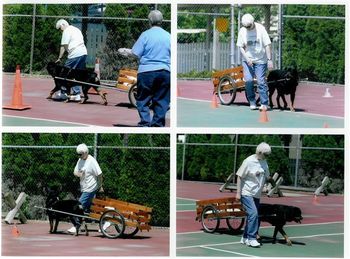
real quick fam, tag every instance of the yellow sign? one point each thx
(221, 24)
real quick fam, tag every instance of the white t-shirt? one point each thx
(253, 173)
(254, 42)
(73, 37)
(90, 169)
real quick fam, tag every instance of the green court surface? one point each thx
(13, 121)
(313, 240)
(309, 240)
(194, 113)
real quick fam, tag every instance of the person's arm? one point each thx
(269, 57)
(63, 49)
(245, 56)
(238, 194)
(127, 53)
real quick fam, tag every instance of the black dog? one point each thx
(69, 206)
(82, 75)
(285, 82)
(278, 215)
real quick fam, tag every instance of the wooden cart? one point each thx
(227, 83)
(119, 218)
(211, 211)
(127, 81)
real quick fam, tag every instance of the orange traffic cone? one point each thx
(263, 116)
(97, 71)
(214, 101)
(325, 125)
(17, 103)
(15, 231)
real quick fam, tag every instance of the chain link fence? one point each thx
(31, 39)
(207, 36)
(302, 160)
(136, 168)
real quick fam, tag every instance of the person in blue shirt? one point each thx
(153, 78)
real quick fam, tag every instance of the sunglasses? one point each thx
(250, 26)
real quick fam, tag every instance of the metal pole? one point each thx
(95, 145)
(232, 53)
(280, 35)
(183, 159)
(239, 26)
(297, 162)
(235, 160)
(32, 41)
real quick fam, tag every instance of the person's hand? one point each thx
(250, 62)
(123, 51)
(269, 64)
(58, 60)
(101, 190)
(78, 173)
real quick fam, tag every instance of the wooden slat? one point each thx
(145, 227)
(129, 72)
(227, 71)
(218, 200)
(133, 205)
(126, 80)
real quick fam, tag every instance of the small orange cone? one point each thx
(15, 231)
(17, 103)
(325, 125)
(97, 71)
(214, 101)
(315, 200)
(263, 116)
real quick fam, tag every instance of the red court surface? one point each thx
(309, 96)
(34, 240)
(325, 209)
(118, 112)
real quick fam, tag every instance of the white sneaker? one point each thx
(244, 241)
(253, 107)
(263, 107)
(75, 97)
(72, 230)
(253, 243)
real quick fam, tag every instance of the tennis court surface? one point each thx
(313, 110)
(44, 112)
(321, 233)
(34, 239)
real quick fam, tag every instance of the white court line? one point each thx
(40, 119)
(225, 251)
(306, 113)
(296, 225)
(232, 243)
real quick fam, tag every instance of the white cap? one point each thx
(263, 148)
(155, 17)
(247, 20)
(82, 148)
(61, 22)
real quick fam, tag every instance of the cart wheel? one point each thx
(227, 90)
(130, 231)
(235, 224)
(112, 224)
(210, 219)
(132, 94)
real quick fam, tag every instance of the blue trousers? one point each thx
(78, 62)
(86, 201)
(153, 88)
(259, 72)
(251, 206)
